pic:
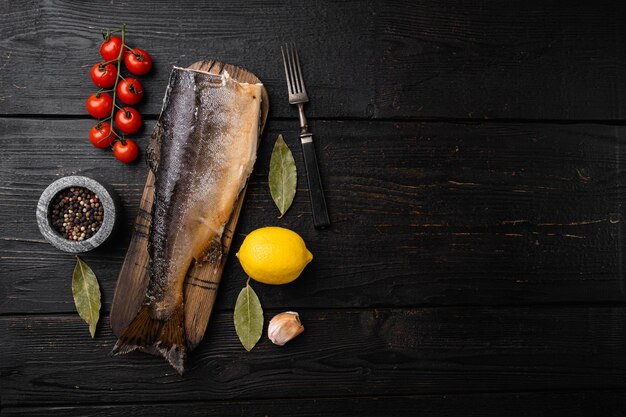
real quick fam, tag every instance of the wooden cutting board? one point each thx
(202, 282)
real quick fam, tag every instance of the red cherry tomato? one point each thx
(138, 61)
(103, 75)
(126, 151)
(99, 105)
(128, 120)
(101, 136)
(130, 91)
(110, 49)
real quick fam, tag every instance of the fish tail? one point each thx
(172, 342)
(142, 332)
(167, 337)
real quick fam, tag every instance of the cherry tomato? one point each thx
(103, 75)
(130, 90)
(128, 120)
(100, 135)
(126, 151)
(110, 49)
(99, 105)
(138, 61)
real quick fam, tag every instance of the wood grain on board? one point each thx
(607, 403)
(202, 279)
(423, 214)
(532, 59)
(386, 352)
(473, 157)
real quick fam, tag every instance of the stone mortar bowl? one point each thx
(108, 199)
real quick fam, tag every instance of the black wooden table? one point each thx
(474, 163)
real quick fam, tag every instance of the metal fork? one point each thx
(298, 96)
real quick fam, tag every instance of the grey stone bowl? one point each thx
(110, 205)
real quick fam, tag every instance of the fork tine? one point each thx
(300, 77)
(289, 87)
(293, 74)
(297, 77)
(292, 70)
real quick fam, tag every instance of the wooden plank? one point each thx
(384, 59)
(536, 404)
(48, 360)
(202, 280)
(423, 214)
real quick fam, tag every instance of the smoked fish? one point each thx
(202, 152)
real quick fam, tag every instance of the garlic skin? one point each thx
(284, 327)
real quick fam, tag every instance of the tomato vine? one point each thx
(103, 106)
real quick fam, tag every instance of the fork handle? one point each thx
(316, 192)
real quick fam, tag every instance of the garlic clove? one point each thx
(284, 327)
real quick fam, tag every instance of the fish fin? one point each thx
(141, 332)
(172, 343)
(164, 337)
(153, 150)
(212, 254)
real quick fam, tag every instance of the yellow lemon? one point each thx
(273, 255)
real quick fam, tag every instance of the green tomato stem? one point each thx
(115, 134)
(123, 79)
(117, 78)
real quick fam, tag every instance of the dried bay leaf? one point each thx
(283, 177)
(86, 292)
(248, 317)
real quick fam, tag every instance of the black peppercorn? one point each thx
(76, 213)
